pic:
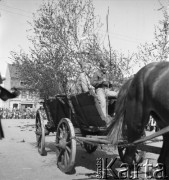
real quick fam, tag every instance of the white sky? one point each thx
(131, 22)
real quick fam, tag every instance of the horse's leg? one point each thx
(164, 154)
(137, 116)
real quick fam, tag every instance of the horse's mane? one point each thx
(115, 132)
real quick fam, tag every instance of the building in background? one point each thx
(28, 97)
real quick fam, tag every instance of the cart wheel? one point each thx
(90, 148)
(40, 133)
(65, 146)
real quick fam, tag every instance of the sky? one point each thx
(131, 23)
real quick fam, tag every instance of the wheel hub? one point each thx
(62, 143)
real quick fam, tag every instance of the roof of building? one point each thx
(14, 71)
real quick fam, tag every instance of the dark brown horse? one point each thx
(144, 95)
(5, 95)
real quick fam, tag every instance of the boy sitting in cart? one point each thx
(102, 86)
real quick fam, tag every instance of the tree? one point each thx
(62, 31)
(159, 49)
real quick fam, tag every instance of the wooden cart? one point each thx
(77, 119)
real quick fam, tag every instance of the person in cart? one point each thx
(83, 82)
(100, 81)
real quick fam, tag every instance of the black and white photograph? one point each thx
(84, 89)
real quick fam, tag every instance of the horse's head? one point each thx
(131, 132)
(133, 123)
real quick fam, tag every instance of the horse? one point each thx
(5, 95)
(147, 93)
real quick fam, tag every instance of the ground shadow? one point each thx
(86, 160)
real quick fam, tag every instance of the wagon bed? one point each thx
(83, 110)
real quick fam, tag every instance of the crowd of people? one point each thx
(26, 113)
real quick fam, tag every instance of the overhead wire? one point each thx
(15, 13)
(28, 12)
(12, 10)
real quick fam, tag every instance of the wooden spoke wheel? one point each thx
(90, 148)
(65, 146)
(40, 133)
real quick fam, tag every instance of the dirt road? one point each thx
(20, 160)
